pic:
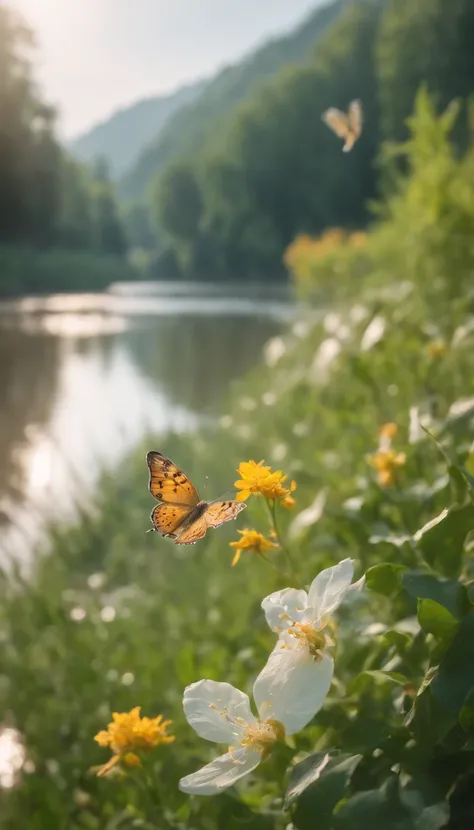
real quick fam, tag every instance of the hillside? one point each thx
(229, 209)
(122, 137)
(189, 127)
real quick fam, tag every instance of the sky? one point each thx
(95, 56)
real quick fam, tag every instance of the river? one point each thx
(83, 377)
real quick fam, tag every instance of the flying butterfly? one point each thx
(348, 127)
(181, 514)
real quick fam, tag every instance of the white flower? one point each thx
(221, 713)
(299, 664)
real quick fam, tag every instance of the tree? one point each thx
(428, 41)
(109, 236)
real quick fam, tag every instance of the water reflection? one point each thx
(83, 377)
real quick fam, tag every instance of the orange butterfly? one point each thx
(345, 126)
(181, 514)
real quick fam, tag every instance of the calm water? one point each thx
(83, 377)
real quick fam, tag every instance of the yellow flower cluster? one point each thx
(129, 732)
(388, 431)
(305, 250)
(256, 478)
(386, 460)
(251, 541)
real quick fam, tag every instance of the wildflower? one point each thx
(388, 431)
(436, 349)
(257, 478)
(386, 434)
(289, 502)
(300, 665)
(386, 462)
(253, 541)
(221, 713)
(128, 732)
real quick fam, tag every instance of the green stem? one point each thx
(272, 508)
(153, 798)
(275, 566)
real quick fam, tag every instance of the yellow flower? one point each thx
(253, 541)
(386, 463)
(256, 478)
(388, 431)
(127, 732)
(289, 502)
(436, 349)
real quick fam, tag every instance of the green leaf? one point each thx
(442, 539)
(384, 578)
(436, 619)
(469, 479)
(454, 680)
(317, 784)
(400, 639)
(461, 479)
(434, 817)
(365, 678)
(374, 809)
(392, 541)
(466, 717)
(447, 592)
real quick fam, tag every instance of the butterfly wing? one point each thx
(215, 514)
(218, 512)
(337, 121)
(356, 118)
(167, 483)
(168, 518)
(193, 532)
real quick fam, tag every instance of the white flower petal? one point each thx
(287, 603)
(221, 773)
(330, 587)
(204, 703)
(292, 687)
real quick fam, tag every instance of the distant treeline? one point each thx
(228, 207)
(47, 200)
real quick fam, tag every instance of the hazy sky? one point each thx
(96, 55)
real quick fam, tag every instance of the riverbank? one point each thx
(113, 618)
(29, 271)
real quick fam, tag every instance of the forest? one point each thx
(52, 209)
(228, 202)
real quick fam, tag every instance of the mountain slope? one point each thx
(188, 127)
(122, 137)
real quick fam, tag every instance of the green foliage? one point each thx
(393, 745)
(275, 168)
(59, 269)
(429, 41)
(272, 169)
(47, 201)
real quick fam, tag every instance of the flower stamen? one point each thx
(262, 735)
(309, 635)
